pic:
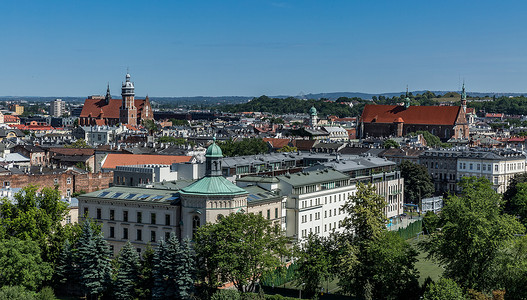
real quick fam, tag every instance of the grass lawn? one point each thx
(332, 285)
(425, 267)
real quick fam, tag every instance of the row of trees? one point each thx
(243, 147)
(294, 105)
(169, 271)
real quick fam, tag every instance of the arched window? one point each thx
(195, 225)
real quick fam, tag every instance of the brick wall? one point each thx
(87, 182)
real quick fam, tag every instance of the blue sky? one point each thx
(214, 48)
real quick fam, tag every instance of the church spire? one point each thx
(463, 98)
(108, 95)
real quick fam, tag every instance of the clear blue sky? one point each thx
(214, 48)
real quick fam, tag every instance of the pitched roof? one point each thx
(98, 108)
(117, 159)
(434, 115)
(277, 143)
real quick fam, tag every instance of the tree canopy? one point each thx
(417, 182)
(473, 230)
(243, 147)
(238, 249)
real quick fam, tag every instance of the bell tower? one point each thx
(128, 111)
(463, 98)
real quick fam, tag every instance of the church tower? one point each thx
(464, 99)
(128, 111)
(313, 121)
(108, 95)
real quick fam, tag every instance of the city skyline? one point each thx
(179, 49)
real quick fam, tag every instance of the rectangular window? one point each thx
(99, 214)
(268, 214)
(167, 236)
(496, 168)
(153, 236)
(125, 233)
(112, 232)
(139, 235)
(477, 167)
(276, 213)
(167, 220)
(470, 166)
(112, 214)
(68, 180)
(125, 216)
(152, 218)
(139, 217)
(85, 212)
(310, 217)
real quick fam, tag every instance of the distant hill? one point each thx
(218, 100)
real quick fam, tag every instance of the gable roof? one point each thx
(118, 159)
(434, 115)
(98, 108)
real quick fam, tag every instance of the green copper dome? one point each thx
(313, 111)
(214, 150)
(213, 185)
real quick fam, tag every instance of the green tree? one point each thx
(92, 259)
(518, 204)
(16, 293)
(36, 216)
(287, 148)
(79, 144)
(314, 264)
(390, 144)
(65, 270)
(430, 222)
(151, 126)
(173, 270)
(243, 147)
(444, 289)
(126, 273)
(383, 263)
(365, 210)
(21, 264)
(417, 182)
(472, 234)
(146, 281)
(510, 271)
(238, 249)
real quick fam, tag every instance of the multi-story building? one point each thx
(302, 202)
(57, 108)
(498, 166)
(107, 111)
(16, 108)
(447, 167)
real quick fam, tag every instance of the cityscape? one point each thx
(234, 155)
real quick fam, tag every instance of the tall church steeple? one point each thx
(128, 111)
(108, 95)
(463, 98)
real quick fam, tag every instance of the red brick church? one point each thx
(398, 120)
(107, 111)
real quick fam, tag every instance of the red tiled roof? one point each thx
(494, 115)
(471, 110)
(277, 143)
(434, 115)
(30, 127)
(517, 139)
(98, 108)
(10, 119)
(116, 159)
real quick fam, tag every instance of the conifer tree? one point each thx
(65, 270)
(166, 269)
(93, 261)
(146, 280)
(186, 270)
(127, 273)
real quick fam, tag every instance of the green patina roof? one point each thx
(214, 150)
(213, 185)
(313, 111)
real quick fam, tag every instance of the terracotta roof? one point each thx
(493, 115)
(304, 145)
(436, 115)
(98, 108)
(116, 159)
(277, 143)
(10, 119)
(471, 110)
